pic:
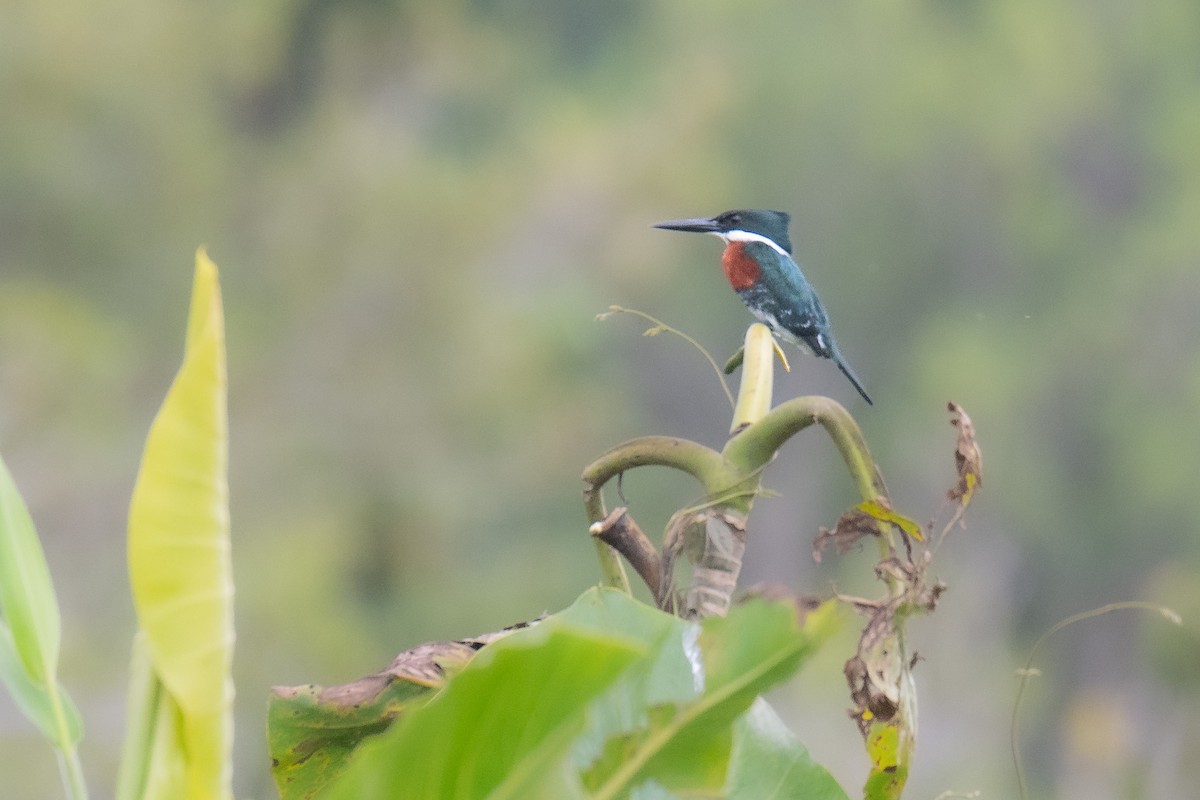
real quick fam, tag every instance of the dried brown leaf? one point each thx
(850, 528)
(968, 461)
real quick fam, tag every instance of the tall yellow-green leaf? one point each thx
(179, 556)
(30, 635)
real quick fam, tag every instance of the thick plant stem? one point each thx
(755, 446)
(724, 485)
(731, 478)
(716, 535)
(620, 532)
(754, 392)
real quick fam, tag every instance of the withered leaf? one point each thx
(968, 461)
(881, 509)
(874, 673)
(850, 528)
(864, 519)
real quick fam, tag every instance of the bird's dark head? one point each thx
(740, 225)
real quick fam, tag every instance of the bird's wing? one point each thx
(788, 297)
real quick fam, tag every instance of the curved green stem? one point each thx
(756, 445)
(731, 477)
(702, 463)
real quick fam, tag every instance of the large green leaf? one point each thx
(502, 728)
(669, 717)
(756, 646)
(312, 731)
(179, 559)
(664, 676)
(311, 736)
(770, 763)
(686, 746)
(656, 685)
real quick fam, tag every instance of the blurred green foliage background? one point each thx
(418, 208)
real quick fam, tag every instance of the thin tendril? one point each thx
(662, 327)
(1029, 670)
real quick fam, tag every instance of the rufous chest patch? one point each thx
(741, 270)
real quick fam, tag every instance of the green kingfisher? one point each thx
(758, 263)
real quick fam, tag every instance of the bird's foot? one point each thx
(779, 352)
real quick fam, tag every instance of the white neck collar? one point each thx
(746, 236)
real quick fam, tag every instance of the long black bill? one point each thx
(698, 225)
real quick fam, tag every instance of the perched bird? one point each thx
(758, 263)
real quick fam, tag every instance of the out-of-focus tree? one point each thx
(419, 207)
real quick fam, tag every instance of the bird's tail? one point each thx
(849, 373)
